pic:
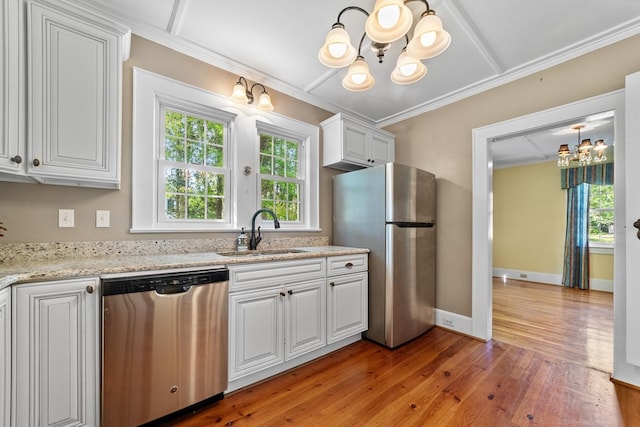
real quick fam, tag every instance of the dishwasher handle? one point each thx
(172, 289)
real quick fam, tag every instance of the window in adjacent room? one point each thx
(601, 215)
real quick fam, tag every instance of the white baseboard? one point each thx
(454, 322)
(549, 278)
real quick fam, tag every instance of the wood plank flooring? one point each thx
(570, 323)
(441, 379)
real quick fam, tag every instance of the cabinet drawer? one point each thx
(250, 276)
(345, 264)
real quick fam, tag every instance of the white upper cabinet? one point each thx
(61, 121)
(74, 103)
(12, 74)
(349, 144)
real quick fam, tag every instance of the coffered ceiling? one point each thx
(276, 43)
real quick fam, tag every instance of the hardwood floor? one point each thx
(446, 379)
(570, 323)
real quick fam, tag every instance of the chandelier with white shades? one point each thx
(391, 20)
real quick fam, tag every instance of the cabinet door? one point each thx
(347, 306)
(381, 149)
(74, 79)
(56, 377)
(255, 331)
(12, 150)
(305, 318)
(355, 143)
(5, 356)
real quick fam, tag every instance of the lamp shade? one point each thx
(408, 69)
(264, 102)
(239, 93)
(429, 38)
(358, 77)
(389, 21)
(337, 50)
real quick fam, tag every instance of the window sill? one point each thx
(601, 250)
(225, 230)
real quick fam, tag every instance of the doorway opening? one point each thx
(482, 259)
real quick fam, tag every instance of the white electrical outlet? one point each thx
(103, 219)
(449, 322)
(66, 218)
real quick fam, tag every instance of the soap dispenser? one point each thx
(242, 241)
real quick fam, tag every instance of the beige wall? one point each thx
(30, 211)
(529, 219)
(440, 141)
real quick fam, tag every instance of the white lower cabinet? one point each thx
(56, 336)
(286, 313)
(347, 305)
(280, 321)
(348, 296)
(5, 357)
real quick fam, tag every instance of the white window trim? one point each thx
(149, 90)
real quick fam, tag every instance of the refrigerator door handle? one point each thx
(411, 224)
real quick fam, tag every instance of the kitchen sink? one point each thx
(261, 253)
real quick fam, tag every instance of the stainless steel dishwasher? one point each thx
(164, 343)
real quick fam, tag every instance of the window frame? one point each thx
(150, 92)
(600, 247)
(303, 167)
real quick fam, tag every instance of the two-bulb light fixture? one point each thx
(583, 152)
(243, 94)
(390, 21)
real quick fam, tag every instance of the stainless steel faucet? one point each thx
(253, 239)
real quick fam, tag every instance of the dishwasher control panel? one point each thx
(157, 282)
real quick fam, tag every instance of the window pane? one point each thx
(174, 124)
(266, 164)
(279, 147)
(174, 149)
(601, 214)
(215, 208)
(291, 169)
(175, 206)
(266, 144)
(195, 128)
(175, 180)
(278, 166)
(214, 156)
(195, 153)
(266, 189)
(214, 133)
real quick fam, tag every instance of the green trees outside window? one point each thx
(280, 182)
(194, 154)
(601, 214)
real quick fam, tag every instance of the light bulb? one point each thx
(388, 16)
(337, 50)
(408, 69)
(358, 78)
(428, 38)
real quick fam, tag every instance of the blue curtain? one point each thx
(576, 248)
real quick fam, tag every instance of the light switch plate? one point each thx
(103, 219)
(66, 218)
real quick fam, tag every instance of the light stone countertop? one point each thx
(64, 268)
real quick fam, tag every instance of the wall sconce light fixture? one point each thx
(243, 94)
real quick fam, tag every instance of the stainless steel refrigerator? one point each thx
(391, 209)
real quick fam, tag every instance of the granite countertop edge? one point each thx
(69, 268)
